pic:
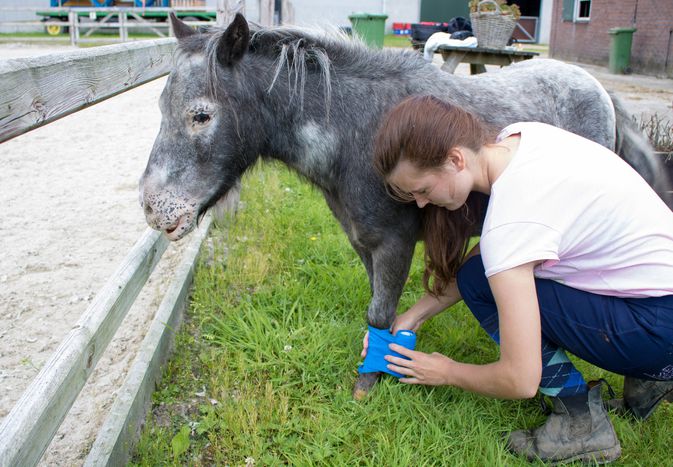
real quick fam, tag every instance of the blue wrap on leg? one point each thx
(379, 339)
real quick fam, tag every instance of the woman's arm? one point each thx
(517, 373)
(425, 308)
(429, 305)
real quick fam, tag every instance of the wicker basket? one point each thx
(491, 28)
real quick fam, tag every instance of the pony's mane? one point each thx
(295, 49)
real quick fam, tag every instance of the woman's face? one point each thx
(447, 187)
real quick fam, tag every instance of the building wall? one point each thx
(331, 12)
(336, 12)
(402, 11)
(652, 49)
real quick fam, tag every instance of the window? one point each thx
(583, 10)
(576, 10)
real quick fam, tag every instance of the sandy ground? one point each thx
(70, 214)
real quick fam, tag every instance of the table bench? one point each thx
(477, 57)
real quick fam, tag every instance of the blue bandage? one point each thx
(379, 339)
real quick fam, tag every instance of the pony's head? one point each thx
(196, 158)
(234, 95)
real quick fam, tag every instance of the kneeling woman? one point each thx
(576, 253)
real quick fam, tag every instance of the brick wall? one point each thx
(590, 42)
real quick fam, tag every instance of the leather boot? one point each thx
(642, 396)
(578, 429)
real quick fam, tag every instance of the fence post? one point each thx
(227, 9)
(266, 9)
(287, 12)
(123, 30)
(74, 31)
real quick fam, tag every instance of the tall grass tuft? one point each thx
(266, 360)
(658, 130)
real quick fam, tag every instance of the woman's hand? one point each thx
(409, 321)
(432, 369)
(365, 345)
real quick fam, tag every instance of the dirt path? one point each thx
(69, 215)
(643, 95)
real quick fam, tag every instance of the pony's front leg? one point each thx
(391, 262)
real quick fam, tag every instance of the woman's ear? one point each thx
(456, 158)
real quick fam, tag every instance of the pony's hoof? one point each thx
(364, 384)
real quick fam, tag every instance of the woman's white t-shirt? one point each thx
(596, 224)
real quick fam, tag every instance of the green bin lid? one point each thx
(361, 15)
(620, 30)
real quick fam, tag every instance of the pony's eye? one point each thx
(201, 117)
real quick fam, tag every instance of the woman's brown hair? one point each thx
(422, 130)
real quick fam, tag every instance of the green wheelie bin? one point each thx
(370, 27)
(620, 50)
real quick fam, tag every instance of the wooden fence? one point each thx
(37, 91)
(126, 19)
(122, 19)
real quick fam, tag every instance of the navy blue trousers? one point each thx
(628, 336)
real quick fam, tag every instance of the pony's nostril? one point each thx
(148, 209)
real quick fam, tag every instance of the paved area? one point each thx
(643, 95)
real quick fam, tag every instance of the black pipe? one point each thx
(278, 11)
(668, 50)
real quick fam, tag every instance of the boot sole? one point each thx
(604, 456)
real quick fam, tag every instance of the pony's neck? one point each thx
(296, 119)
(322, 102)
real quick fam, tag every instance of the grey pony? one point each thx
(313, 100)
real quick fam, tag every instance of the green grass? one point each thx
(97, 39)
(110, 33)
(266, 360)
(393, 40)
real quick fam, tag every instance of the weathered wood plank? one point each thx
(39, 90)
(121, 429)
(28, 429)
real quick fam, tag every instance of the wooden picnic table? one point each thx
(477, 57)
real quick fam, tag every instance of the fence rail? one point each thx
(39, 90)
(28, 429)
(121, 427)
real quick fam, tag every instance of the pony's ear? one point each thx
(180, 29)
(234, 42)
